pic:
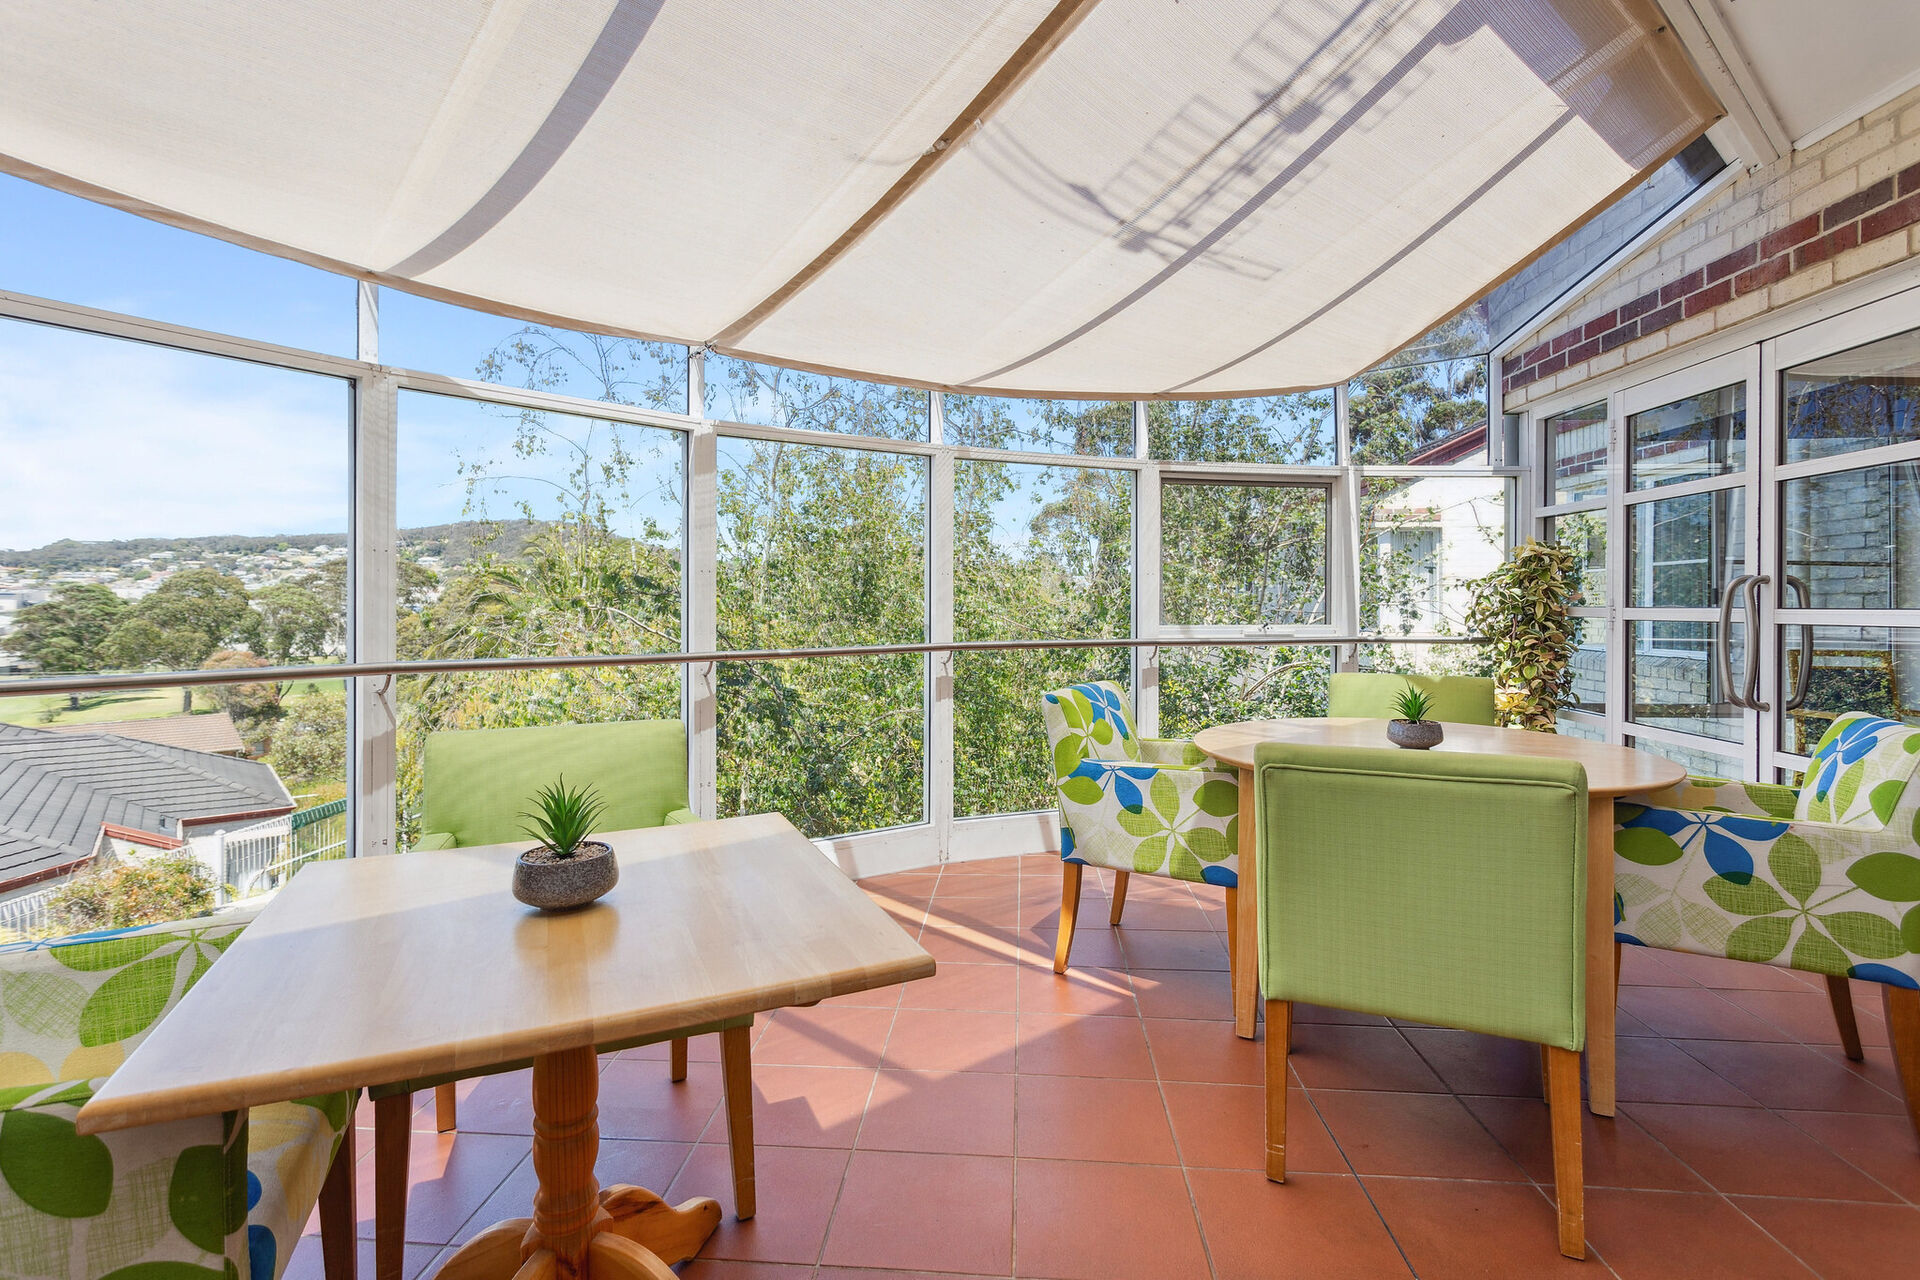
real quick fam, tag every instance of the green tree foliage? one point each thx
(63, 634)
(1396, 411)
(182, 622)
(310, 742)
(294, 622)
(121, 895)
(254, 706)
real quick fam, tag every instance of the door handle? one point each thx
(1754, 583)
(1726, 630)
(1803, 596)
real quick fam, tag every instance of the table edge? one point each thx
(108, 1111)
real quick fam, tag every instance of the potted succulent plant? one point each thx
(1412, 729)
(565, 869)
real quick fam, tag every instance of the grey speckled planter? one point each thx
(1415, 735)
(562, 883)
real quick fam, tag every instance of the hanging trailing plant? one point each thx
(1521, 608)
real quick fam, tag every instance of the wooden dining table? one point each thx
(373, 970)
(1612, 772)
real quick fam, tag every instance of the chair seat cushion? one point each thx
(1858, 772)
(289, 1148)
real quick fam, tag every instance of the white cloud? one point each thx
(101, 438)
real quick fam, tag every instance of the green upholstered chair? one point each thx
(1145, 806)
(1370, 694)
(201, 1199)
(475, 785)
(1824, 879)
(1441, 888)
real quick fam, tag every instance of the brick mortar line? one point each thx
(1886, 208)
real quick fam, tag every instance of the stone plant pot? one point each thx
(557, 884)
(1415, 735)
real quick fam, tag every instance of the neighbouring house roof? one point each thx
(1451, 449)
(210, 731)
(58, 788)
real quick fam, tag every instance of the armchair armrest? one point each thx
(1813, 896)
(1174, 751)
(678, 817)
(431, 840)
(1722, 795)
(94, 996)
(1156, 819)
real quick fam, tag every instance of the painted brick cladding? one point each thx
(1845, 206)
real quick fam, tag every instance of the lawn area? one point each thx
(128, 704)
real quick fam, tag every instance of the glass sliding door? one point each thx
(1845, 535)
(1687, 541)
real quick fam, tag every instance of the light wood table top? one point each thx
(1611, 770)
(372, 970)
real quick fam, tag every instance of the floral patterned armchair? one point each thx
(1147, 806)
(1825, 879)
(212, 1198)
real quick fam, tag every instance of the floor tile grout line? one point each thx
(1173, 1135)
(1352, 1172)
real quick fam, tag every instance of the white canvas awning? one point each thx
(1060, 197)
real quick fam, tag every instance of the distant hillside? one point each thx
(454, 543)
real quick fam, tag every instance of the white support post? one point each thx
(1342, 436)
(1146, 581)
(701, 691)
(373, 722)
(940, 666)
(1343, 564)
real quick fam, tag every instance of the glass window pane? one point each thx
(739, 391)
(1243, 555)
(212, 819)
(1589, 665)
(1686, 550)
(818, 547)
(1698, 763)
(165, 508)
(1848, 536)
(1690, 439)
(1575, 727)
(1098, 428)
(1203, 685)
(1039, 553)
(1577, 454)
(1871, 669)
(1423, 542)
(530, 534)
(437, 337)
(1425, 415)
(1674, 675)
(1293, 430)
(1585, 535)
(60, 246)
(1858, 399)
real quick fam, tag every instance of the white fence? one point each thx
(24, 916)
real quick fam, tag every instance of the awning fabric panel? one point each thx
(1144, 197)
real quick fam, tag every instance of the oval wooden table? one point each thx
(1612, 772)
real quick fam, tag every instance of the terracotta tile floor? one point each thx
(997, 1120)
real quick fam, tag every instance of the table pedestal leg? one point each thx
(1601, 985)
(1246, 939)
(577, 1230)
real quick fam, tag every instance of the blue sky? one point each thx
(102, 438)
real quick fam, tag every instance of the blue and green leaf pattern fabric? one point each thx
(1859, 771)
(212, 1198)
(1728, 869)
(1148, 805)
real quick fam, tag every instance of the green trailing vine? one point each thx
(1521, 608)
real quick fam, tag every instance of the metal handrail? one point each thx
(439, 666)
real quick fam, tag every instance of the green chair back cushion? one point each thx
(1858, 772)
(1088, 722)
(476, 783)
(1443, 887)
(1370, 694)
